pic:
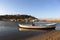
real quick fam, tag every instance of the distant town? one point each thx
(21, 18)
(25, 18)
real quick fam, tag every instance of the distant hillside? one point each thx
(17, 17)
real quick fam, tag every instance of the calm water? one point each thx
(10, 31)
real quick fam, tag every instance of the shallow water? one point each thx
(10, 31)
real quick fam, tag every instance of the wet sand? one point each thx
(52, 35)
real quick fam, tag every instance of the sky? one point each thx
(36, 8)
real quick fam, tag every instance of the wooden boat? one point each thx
(47, 26)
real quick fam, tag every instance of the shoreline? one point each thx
(52, 35)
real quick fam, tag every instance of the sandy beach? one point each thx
(52, 35)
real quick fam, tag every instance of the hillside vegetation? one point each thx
(21, 18)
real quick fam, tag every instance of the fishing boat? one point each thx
(46, 26)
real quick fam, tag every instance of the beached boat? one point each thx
(47, 26)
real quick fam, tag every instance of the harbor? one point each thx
(29, 19)
(10, 31)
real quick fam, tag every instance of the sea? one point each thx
(11, 31)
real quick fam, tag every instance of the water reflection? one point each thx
(11, 31)
(34, 33)
(22, 29)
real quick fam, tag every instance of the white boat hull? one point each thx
(48, 26)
